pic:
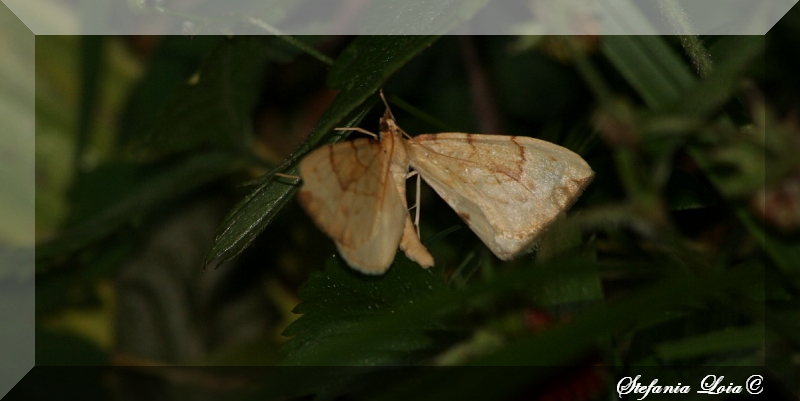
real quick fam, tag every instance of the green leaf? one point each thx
(249, 218)
(67, 287)
(605, 320)
(360, 71)
(57, 348)
(735, 55)
(655, 70)
(338, 327)
(565, 237)
(369, 61)
(213, 109)
(352, 319)
(561, 345)
(723, 341)
(405, 17)
(661, 78)
(784, 251)
(102, 187)
(171, 65)
(341, 304)
(170, 183)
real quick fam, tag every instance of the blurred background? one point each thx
(154, 157)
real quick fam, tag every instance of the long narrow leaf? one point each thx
(359, 72)
(183, 177)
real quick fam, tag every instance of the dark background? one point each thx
(154, 159)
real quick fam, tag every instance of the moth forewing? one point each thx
(348, 192)
(507, 189)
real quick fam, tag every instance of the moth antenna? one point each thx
(356, 129)
(386, 103)
(289, 176)
(405, 134)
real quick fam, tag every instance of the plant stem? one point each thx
(691, 43)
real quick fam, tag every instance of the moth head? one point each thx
(387, 123)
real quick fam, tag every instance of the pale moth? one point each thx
(507, 189)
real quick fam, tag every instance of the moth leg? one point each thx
(409, 242)
(356, 129)
(416, 200)
(289, 176)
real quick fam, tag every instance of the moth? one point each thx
(507, 189)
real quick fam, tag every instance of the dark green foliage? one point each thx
(349, 319)
(664, 262)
